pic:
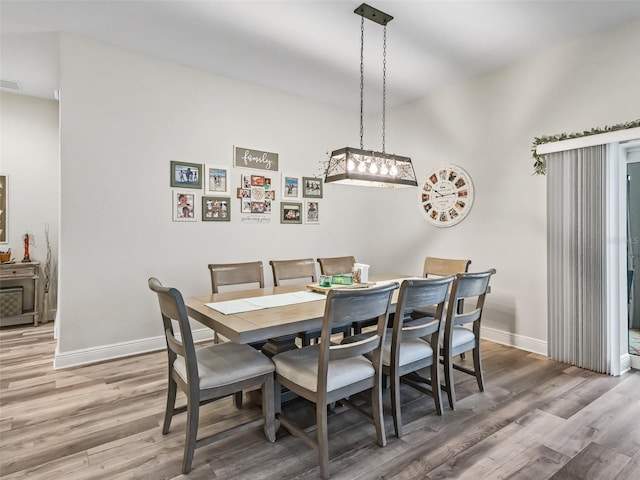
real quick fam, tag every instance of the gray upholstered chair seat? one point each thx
(301, 367)
(461, 336)
(411, 350)
(226, 363)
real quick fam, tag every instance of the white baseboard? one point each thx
(625, 363)
(635, 361)
(514, 340)
(118, 350)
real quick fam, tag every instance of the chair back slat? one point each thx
(300, 269)
(336, 265)
(225, 274)
(466, 286)
(444, 267)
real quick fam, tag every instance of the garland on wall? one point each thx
(539, 164)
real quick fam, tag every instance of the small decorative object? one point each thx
(446, 196)
(186, 175)
(290, 186)
(360, 273)
(217, 180)
(27, 240)
(183, 206)
(312, 187)
(311, 214)
(255, 159)
(342, 279)
(290, 212)
(216, 209)
(325, 280)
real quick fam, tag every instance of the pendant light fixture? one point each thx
(357, 166)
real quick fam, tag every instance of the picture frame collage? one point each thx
(256, 192)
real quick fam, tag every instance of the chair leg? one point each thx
(323, 440)
(268, 409)
(477, 366)
(277, 397)
(171, 403)
(357, 329)
(395, 402)
(448, 380)
(193, 413)
(237, 399)
(306, 341)
(435, 386)
(378, 418)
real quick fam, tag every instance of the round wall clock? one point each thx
(446, 196)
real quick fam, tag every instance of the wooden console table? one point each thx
(23, 275)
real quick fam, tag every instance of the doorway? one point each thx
(633, 249)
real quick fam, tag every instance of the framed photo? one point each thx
(311, 187)
(311, 212)
(183, 206)
(290, 212)
(257, 181)
(245, 205)
(186, 175)
(4, 207)
(245, 181)
(290, 186)
(257, 207)
(216, 180)
(243, 193)
(216, 209)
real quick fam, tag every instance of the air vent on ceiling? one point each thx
(12, 84)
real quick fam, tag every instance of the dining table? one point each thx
(274, 315)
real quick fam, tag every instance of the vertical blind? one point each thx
(576, 258)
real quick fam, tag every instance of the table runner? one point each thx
(240, 305)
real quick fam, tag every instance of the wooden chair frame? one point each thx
(172, 308)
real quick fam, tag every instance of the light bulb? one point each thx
(393, 170)
(384, 169)
(361, 167)
(350, 165)
(373, 169)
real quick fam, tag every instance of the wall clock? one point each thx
(446, 196)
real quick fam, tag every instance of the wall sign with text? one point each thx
(255, 159)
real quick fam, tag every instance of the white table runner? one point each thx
(240, 305)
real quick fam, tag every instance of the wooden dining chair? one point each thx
(302, 270)
(325, 373)
(462, 329)
(243, 275)
(336, 265)
(208, 373)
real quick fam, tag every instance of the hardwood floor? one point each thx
(538, 419)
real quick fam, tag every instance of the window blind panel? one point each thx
(576, 261)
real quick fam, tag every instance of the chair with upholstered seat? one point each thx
(414, 343)
(209, 373)
(462, 329)
(325, 373)
(304, 269)
(443, 267)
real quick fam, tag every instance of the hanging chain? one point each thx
(361, 83)
(384, 85)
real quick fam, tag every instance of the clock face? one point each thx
(446, 196)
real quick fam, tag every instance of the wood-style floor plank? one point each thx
(537, 419)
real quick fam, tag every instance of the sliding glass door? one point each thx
(633, 249)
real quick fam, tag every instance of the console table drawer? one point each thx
(16, 271)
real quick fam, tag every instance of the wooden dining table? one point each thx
(277, 326)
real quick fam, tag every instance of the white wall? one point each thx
(487, 126)
(29, 155)
(125, 116)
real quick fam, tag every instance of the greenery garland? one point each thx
(539, 164)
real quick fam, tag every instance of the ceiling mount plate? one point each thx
(373, 14)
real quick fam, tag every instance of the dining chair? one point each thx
(462, 329)
(209, 373)
(325, 373)
(296, 270)
(243, 275)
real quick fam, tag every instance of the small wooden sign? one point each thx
(256, 159)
